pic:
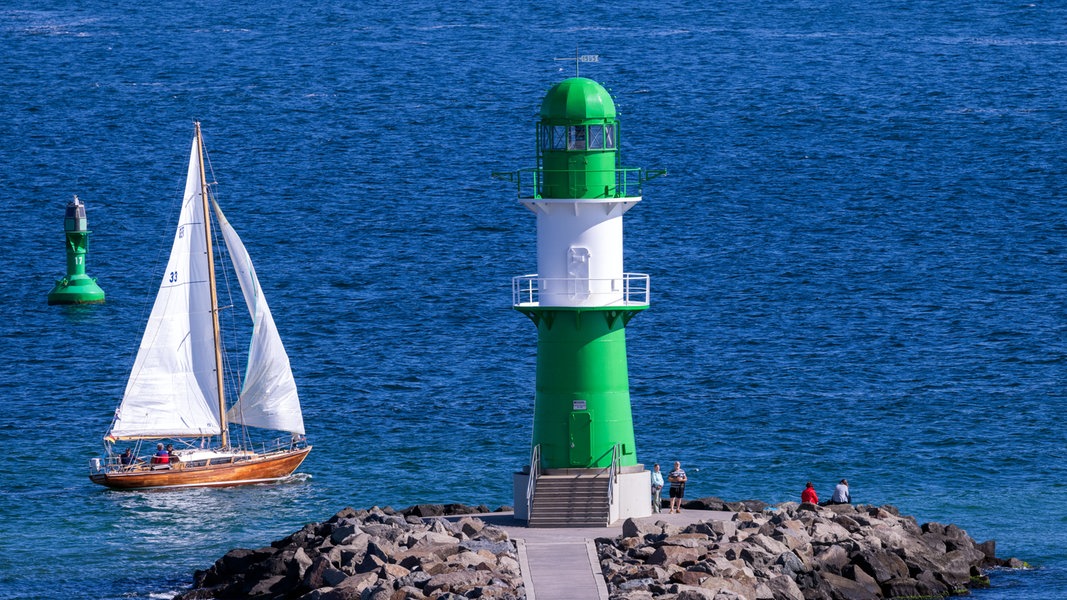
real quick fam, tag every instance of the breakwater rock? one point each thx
(376, 554)
(794, 552)
(786, 552)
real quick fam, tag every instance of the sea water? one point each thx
(857, 258)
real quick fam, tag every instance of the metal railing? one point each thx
(282, 444)
(632, 289)
(613, 473)
(535, 472)
(529, 182)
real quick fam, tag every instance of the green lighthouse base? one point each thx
(582, 407)
(76, 290)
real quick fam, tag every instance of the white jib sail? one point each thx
(268, 397)
(173, 390)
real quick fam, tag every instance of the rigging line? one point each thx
(233, 353)
(235, 375)
(207, 161)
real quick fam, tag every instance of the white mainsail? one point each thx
(173, 389)
(268, 397)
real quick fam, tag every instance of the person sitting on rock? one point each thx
(809, 495)
(841, 495)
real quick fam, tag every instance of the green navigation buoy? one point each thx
(581, 299)
(76, 287)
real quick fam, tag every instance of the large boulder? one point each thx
(783, 587)
(639, 529)
(849, 589)
(882, 566)
(674, 555)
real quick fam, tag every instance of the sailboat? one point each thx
(175, 392)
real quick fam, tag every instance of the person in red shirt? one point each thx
(809, 495)
(161, 457)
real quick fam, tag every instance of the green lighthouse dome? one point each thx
(577, 141)
(577, 99)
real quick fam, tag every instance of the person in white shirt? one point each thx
(657, 488)
(841, 495)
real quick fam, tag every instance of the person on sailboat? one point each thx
(161, 457)
(127, 457)
(171, 454)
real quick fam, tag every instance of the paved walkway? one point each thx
(561, 564)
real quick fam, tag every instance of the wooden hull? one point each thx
(260, 469)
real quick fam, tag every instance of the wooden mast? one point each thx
(224, 435)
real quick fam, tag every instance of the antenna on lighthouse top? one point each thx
(581, 58)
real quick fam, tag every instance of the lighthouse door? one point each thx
(579, 439)
(577, 165)
(578, 271)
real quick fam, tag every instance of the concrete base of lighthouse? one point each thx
(579, 497)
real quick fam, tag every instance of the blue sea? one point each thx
(858, 257)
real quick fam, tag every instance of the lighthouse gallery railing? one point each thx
(628, 180)
(632, 289)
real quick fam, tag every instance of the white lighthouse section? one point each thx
(579, 255)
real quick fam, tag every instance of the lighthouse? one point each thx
(76, 287)
(583, 459)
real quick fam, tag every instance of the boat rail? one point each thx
(632, 289)
(282, 444)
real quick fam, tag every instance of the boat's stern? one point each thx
(98, 470)
(100, 465)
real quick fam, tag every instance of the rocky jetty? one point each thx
(787, 552)
(794, 552)
(376, 554)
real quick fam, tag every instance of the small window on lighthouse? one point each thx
(596, 137)
(609, 136)
(576, 139)
(559, 137)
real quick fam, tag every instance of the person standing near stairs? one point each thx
(657, 488)
(677, 493)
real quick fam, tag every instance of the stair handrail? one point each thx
(613, 472)
(535, 472)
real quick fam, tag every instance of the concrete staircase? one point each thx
(571, 501)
